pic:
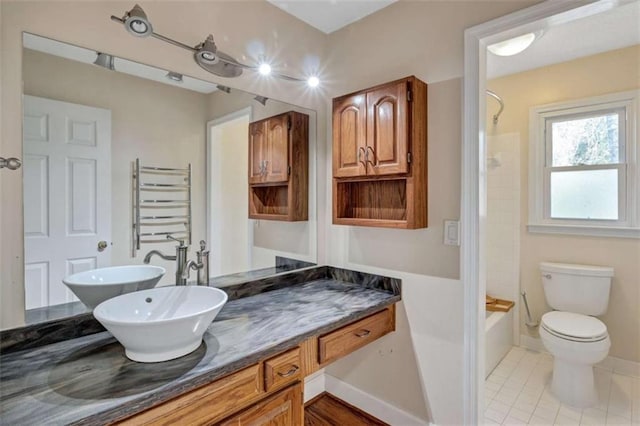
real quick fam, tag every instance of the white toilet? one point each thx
(576, 339)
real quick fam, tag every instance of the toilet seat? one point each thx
(574, 327)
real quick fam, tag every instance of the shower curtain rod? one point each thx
(500, 101)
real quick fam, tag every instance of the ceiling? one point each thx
(601, 32)
(330, 15)
(87, 56)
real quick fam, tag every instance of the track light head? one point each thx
(207, 51)
(137, 23)
(262, 99)
(105, 60)
(218, 63)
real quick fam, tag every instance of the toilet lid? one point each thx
(574, 326)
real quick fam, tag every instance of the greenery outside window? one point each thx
(583, 175)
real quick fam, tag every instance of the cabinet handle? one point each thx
(373, 153)
(360, 151)
(265, 167)
(363, 333)
(290, 372)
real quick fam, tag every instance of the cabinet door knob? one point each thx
(102, 245)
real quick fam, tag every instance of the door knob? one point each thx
(10, 163)
(102, 245)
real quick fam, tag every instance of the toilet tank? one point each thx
(583, 289)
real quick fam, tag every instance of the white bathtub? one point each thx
(498, 338)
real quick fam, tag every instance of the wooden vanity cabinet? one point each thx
(269, 392)
(380, 156)
(285, 408)
(278, 167)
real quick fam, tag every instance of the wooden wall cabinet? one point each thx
(380, 156)
(279, 167)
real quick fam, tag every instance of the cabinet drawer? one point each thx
(345, 340)
(206, 404)
(282, 369)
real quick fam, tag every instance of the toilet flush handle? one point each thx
(547, 276)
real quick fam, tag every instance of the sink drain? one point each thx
(148, 300)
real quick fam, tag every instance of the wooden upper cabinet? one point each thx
(371, 131)
(387, 142)
(277, 155)
(380, 156)
(269, 149)
(279, 167)
(257, 151)
(349, 135)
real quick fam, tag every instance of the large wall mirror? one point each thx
(89, 121)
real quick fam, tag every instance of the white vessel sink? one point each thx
(97, 285)
(162, 323)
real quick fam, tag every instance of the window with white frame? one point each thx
(583, 167)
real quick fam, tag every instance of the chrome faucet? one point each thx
(180, 258)
(201, 265)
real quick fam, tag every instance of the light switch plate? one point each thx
(451, 232)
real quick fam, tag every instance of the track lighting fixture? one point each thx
(174, 76)
(105, 61)
(262, 99)
(206, 54)
(137, 23)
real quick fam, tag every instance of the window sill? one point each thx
(586, 231)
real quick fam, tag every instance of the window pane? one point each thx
(591, 140)
(585, 194)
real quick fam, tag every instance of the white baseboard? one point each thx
(611, 363)
(370, 404)
(314, 385)
(533, 343)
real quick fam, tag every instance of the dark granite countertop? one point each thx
(88, 380)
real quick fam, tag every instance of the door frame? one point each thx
(244, 112)
(474, 180)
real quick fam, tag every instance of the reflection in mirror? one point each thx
(88, 117)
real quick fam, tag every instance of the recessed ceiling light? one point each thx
(513, 46)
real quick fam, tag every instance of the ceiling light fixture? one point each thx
(137, 23)
(313, 81)
(206, 54)
(264, 69)
(514, 45)
(174, 76)
(105, 60)
(262, 99)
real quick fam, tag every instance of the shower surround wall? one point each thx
(503, 217)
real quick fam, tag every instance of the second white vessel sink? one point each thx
(97, 285)
(162, 323)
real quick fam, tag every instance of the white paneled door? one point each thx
(67, 195)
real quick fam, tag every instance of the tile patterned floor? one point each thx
(518, 393)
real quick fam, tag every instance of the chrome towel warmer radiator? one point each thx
(161, 205)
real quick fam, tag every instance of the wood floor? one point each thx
(327, 410)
